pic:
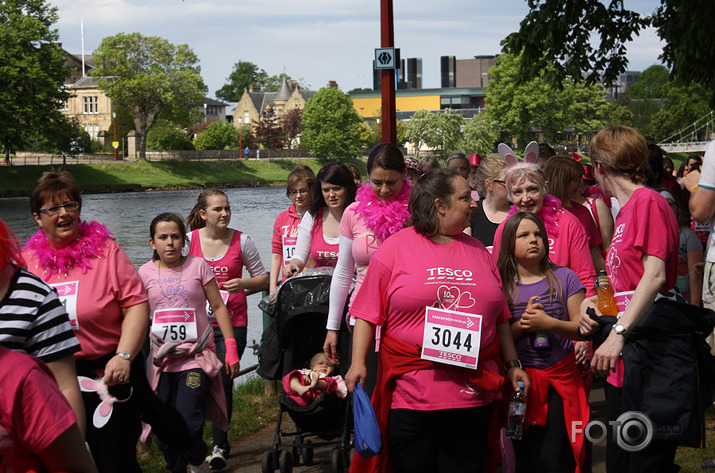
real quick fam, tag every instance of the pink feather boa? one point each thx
(550, 214)
(383, 218)
(80, 252)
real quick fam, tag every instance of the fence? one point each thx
(29, 159)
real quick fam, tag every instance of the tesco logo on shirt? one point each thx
(220, 270)
(327, 254)
(449, 274)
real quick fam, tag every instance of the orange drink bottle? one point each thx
(606, 301)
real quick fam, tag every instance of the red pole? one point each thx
(115, 136)
(240, 135)
(387, 40)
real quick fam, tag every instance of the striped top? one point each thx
(34, 321)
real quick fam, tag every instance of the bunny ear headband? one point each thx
(531, 153)
(104, 409)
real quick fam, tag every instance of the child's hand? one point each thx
(534, 319)
(314, 378)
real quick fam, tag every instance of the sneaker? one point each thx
(217, 459)
(197, 468)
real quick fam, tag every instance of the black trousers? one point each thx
(220, 437)
(658, 457)
(546, 449)
(441, 441)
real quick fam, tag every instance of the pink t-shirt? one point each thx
(285, 234)
(584, 216)
(94, 300)
(178, 290)
(33, 412)
(365, 244)
(322, 252)
(410, 272)
(646, 225)
(229, 266)
(568, 247)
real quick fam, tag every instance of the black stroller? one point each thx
(297, 333)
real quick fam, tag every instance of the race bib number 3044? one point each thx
(452, 337)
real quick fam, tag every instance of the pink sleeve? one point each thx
(332, 384)
(277, 242)
(346, 223)
(44, 413)
(370, 304)
(127, 284)
(505, 313)
(580, 261)
(205, 273)
(497, 242)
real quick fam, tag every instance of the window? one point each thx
(246, 118)
(90, 105)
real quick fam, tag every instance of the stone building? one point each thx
(254, 103)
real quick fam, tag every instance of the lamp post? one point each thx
(240, 136)
(114, 143)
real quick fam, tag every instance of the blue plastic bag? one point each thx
(368, 441)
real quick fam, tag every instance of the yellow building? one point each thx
(467, 100)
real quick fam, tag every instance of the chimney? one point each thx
(332, 84)
(293, 86)
(254, 88)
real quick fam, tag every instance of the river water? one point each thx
(128, 215)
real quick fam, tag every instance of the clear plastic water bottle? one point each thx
(517, 411)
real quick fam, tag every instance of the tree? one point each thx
(267, 132)
(218, 135)
(682, 105)
(561, 33)
(481, 134)
(32, 72)
(152, 78)
(371, 133)
(650, 83)
(166, 135)
(420, 128)
(447, 134)
(292, 124)
(332, 127)
(243, 75)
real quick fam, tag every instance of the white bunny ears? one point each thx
(103, 412)
(531, 153)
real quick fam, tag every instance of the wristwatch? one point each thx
(124, 355)
(512, 364)
(620, 329)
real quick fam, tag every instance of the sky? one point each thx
(315, 41)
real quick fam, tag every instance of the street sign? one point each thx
(115, 144)
(387, 58)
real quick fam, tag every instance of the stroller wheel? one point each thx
(295, 450)
(308, 453)
(285, 462)
(336, 460)
(268, 464)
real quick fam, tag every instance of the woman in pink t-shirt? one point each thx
(226, 251)
(107, 309)
(184, 366)
(299, 186)
(318, 231)
(379, 211)
(642, 261)
(432, 286)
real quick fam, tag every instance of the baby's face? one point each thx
(322, 365)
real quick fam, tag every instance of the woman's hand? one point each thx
(516, 374)
(588, 326)
(117, 371)
(290, 270)
(604, 360)
(356, 374)
(233, 370)
(580, 350)
(232, 285)
(330, 347)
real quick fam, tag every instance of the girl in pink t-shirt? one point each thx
(183, 364)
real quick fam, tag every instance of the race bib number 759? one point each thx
(452, 337)
(175, 325)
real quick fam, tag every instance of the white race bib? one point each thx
(175, 325)
(209, 310)
(289, 244)
(67, 292)
(452, 337)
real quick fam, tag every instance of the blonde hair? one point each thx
(194, 219)
(522, 172)
(491, 169)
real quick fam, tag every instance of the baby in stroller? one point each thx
(303, 386)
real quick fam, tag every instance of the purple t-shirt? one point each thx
(558, 346)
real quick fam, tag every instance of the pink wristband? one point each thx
(231, 351)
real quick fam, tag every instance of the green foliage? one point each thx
(420, 128)
(521, 108)
(32, 71)
(650, 83)
(166, 135)
(682, 105)
(332, 127)
(150, 77)
(217, 135)
(621, 115)
(244, 74)
(480, 135)
(584, 38)
(439, 131)
(642, 111)
(371, 133)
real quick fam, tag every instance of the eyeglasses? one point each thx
(55, 209)
(294, 192)
(500, 181)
